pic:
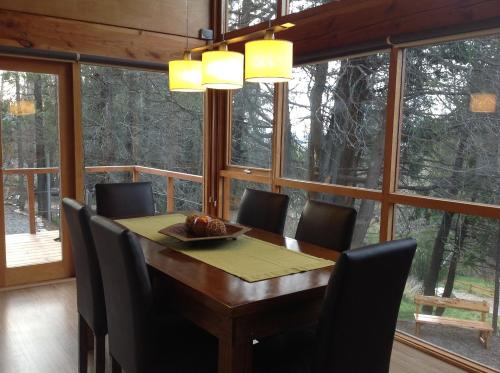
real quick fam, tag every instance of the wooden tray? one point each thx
(181, 232)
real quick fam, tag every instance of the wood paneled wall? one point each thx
(148, 30)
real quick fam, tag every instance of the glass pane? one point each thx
(457, 257)
(448, 148)
(300, 5)
(243, 13)
(367, 229)
(131, 118)
(237, 189)
(30, 139)
(336, 120)
(251, 134)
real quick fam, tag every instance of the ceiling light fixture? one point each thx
(185, 75)
(23, 107)
(222, 69)
(268, 60)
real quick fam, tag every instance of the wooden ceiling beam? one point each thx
(352, 22)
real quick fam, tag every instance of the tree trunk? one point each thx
(460, 235)
(20, 149)
(496, 296)
(41, 180)
(432, 276)
(316, 130)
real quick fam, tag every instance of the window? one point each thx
(448, 149)
(300, 5)
(457, 256)
(336, 120)
(244, 13)
(366, 230)
(131, 119)
(237, 189)
(252, 129)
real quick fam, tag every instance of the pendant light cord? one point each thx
(187, 25)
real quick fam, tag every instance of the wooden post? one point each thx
(170, 195)
(392, 139)
(31, 202)
(135, 175)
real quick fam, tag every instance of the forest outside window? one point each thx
(448, 148)
(252, 127)
(300, 5)
(334, 132)
(131, 118)
(244, 13)
(457, 257)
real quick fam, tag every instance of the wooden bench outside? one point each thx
(483, 307)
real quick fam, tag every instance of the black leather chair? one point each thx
(326, 224)
(124, 200)
(358, 318)
(141, 339)
(263, 210)
(90, 296)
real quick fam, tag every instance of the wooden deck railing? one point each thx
(134, 171)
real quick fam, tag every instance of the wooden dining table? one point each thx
(236, 311)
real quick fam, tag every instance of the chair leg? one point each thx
(100, 354)
(83, 342)
(115, 367)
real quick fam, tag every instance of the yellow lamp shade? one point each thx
(222, 69)
(185, 76)
(268, 61)
(23, 107)
(483, 102)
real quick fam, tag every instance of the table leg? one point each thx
(235, 352)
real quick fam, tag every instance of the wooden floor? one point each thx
(27, 249)
(38, 334)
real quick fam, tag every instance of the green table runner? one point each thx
(246, 257)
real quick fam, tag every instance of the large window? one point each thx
(252, 128)
(131, 119)
(446, 168)
(450, 136)
(300, 5)
(244, 13)
(336, 119)
(449, 149)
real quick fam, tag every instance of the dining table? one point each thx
(237, 311)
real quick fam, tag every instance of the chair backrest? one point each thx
(359, 314)
(326, 224)
(89, 293)
(128, 294)
(263, 210)
(124, 200)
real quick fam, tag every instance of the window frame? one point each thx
(388, 196)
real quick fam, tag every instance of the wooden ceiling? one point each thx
(149, 30)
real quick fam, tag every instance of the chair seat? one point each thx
(184, 348)
(291, 352)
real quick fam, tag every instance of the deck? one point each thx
(28, 249)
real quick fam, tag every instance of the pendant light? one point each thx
(23, 107)
(483, 102)
(185, 75)
(222, 69)
(268, 60)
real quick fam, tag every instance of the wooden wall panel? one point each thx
(32, 31)
(165, 16)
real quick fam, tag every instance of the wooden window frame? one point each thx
(388, 196)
